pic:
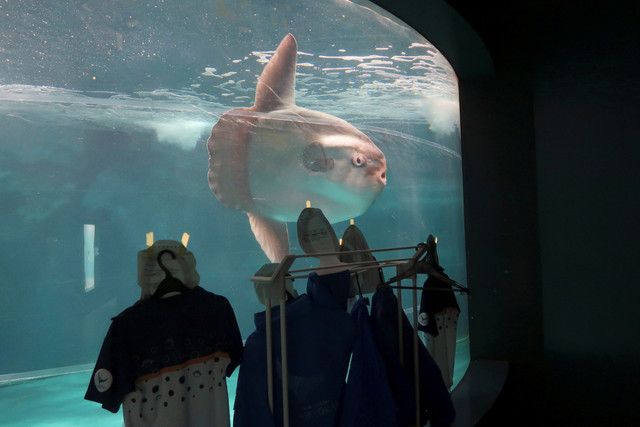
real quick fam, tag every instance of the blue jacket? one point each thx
(367, 398)
(435, 401)
(320, 337)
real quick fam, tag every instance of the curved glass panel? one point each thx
(105, 110)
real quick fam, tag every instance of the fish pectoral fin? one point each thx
(315, 159)
(272, 236)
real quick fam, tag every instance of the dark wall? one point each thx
(551, 170)
(588, 162)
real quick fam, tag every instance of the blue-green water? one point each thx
(105, 108)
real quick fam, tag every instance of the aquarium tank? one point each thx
(105, 111)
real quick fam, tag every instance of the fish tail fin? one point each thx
(272, 235)
(228, 148)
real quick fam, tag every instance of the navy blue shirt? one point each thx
(160, 354)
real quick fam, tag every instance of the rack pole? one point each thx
(400, 341)
(269, 354)
(283, 353)
(416, 360)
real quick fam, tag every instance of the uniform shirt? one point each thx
(437, 296)
(166, 361)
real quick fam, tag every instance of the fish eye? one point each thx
(358, 160)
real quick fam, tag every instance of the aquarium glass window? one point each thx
(105, 110)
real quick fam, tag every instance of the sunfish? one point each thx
(269, 159)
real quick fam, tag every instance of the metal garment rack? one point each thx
(406, 268)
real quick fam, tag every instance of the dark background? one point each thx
(549, 95)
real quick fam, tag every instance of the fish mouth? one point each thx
(377, 177)
(381, 170)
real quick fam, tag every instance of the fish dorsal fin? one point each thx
(276, 85)
(271, 234)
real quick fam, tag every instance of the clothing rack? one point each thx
(274, 289)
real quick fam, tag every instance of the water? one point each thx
(105, 108)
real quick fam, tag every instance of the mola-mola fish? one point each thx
(269, 159)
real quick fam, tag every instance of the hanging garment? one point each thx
(439, 312)
(320, 337)
(166, 361)
(367, 397)
(435, 401)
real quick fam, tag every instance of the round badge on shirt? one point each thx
(103, 380)
(423, 319)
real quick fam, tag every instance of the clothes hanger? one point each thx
(415, 266)
(169, 283)
(433, 259)
(425, 266)
(432, 251)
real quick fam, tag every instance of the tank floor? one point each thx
(59, 400)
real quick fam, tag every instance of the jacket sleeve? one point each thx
(111, 379)
(234, 338)
(251, 406)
